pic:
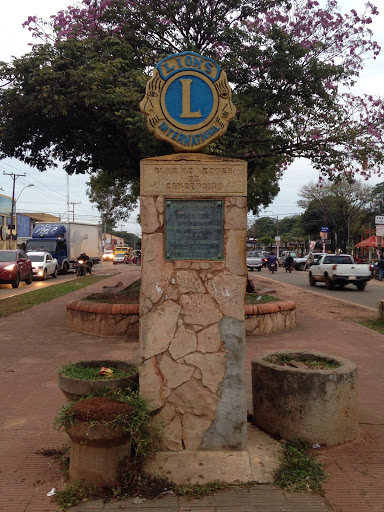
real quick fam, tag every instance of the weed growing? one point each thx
(200, 490)
(84, 371)
(314, 364)
(299, 470)
(251, 298)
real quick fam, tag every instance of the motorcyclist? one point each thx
(288, 261)
(272, 259)
(87, 262)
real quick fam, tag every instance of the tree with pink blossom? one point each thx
(292, 66)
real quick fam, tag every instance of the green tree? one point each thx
(75, 97)
(343, 207)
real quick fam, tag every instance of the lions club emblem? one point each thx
(188, 101)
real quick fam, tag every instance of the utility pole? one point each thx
(14, 177)
(73, 210)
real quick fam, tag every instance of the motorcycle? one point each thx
(132, 261)
(288, 268)
(374, 268)
(273, 267)
(82, 267)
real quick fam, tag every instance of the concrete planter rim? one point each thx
(345, 364)
(72, 387)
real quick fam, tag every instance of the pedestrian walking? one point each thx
(381, 267)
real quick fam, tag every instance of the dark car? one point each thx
(15, 266)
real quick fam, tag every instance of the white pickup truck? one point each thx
(255, 260)
(339, 269)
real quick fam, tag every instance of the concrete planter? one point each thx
(76, 388)
(103, 319)
(96, 452)
(318, 406)
(264, 319)
(123, 319)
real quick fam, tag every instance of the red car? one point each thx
(15, 266)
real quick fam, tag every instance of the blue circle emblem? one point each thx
(200, 100)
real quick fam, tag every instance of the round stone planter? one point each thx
(103, 319)
(75, 388)
(96, 452)
(318, 406)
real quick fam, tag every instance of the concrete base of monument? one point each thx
(255, 464)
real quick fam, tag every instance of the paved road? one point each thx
(6, 290)
(373, 292)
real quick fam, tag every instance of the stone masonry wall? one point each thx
(192, 335)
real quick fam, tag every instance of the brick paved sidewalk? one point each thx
(262, 498)
(35, 343)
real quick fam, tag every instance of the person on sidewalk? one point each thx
(381, 267)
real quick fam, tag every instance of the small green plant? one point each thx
(299, 470)
(74, 493)
(84, 371)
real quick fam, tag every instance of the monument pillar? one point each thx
(192, 336)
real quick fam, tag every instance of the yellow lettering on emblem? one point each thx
(186, 99)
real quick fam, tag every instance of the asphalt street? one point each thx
(373, 292)
(6, 290)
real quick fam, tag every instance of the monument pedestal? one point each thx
(192, 336)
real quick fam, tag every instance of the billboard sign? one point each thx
(5, 205)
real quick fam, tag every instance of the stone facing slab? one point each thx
(192, 369)
(257, 463)
(179, 175)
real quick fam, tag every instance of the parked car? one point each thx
(15, 266)
(119, 258)
(284, 254)
(108, 255)
(255, 260)
(43, 264)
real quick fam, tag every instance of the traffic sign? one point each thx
(324, 229)
(323, 235)
(380, 230)
(379, 219)
(277, 238)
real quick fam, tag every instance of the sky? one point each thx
(50, 189)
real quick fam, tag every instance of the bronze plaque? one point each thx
(194, 230)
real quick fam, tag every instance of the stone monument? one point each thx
(194, 221)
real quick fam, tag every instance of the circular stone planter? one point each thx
(97, 450)
(103, 319)
(318, 406)
(76, 388)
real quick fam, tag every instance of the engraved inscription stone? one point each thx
(194, 230)
(193, 178)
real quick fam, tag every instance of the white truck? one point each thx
(66, 241)
(339, 269)
(255, 260)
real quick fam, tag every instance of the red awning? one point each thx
(368, 242)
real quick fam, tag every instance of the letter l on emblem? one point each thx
(186, 99)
